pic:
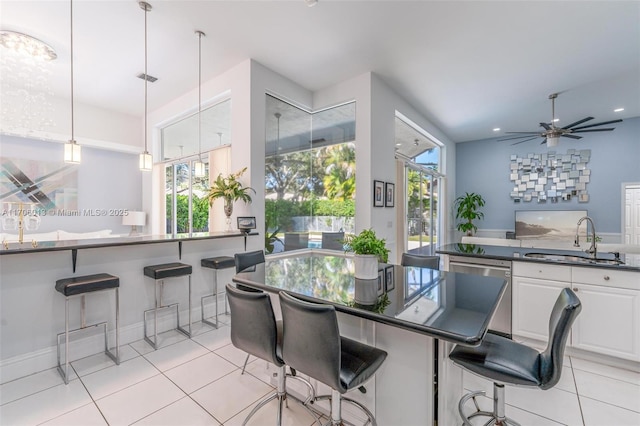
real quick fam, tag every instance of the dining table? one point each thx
(415, 314)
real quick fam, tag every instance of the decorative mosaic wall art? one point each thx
(550, 176)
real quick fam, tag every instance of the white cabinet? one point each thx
(536, 287)
(610, 319)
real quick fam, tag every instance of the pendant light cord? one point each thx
(200, 34)
(72, 112)
(146, 79)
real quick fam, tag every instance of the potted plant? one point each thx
(467, 208)
(230, 189)
(368, 250)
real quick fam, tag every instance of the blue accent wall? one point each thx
(483, 167)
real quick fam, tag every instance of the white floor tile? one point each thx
(99, 361)
(180, 413)
(171, 356)
(215, 339)
(598, 413)
(199, 372)
(89, 415)
(606, 370)
(164, 339)
(45, 405)
(117, 377)
(262, 370)
(294, 415)
(611, 391)
(29, 385)
(234, 355)
(518, 415)
(231, 394)
(138, 401)
(554, 404)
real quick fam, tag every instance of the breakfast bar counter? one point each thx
(414, 314)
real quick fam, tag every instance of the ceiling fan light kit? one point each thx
(552, 134)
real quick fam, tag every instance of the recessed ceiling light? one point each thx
(398, 144)
(555, 120)
(618, 110)
(497, 129)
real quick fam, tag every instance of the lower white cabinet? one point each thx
(533, 300)
(609, 322)
(610, 319)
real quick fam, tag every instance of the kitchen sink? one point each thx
(574, 259)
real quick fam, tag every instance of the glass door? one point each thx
(187, 208)
(422, 209)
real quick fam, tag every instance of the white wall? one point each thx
(376, 105)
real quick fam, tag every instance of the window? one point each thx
(187, 208)
(309, 174)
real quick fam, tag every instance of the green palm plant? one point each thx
(230, 188)
(467, 208)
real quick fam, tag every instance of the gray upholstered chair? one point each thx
(507, 362)
(296, 240)
(244, 261)
(254, 329)
(333, 240)
(420, 261)
(312, 345)
(250, 258)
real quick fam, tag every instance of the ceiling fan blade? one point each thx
(516, 137)
(526, 140)
(529, 133)
(571, 136)
(578, 122)
(608, 129)
(546, 126)
(598, 124)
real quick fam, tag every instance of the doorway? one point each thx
(422, 194)
(631, 213)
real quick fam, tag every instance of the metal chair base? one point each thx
(215, 295)
(160, 306)
(114, 356)
(282, 396)
(497, 417)
(336, 408)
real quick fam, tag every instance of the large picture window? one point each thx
(309, 174)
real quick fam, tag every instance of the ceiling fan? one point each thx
(552, 134)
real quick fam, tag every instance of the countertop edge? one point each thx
(115, 242)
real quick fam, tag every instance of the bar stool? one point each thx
(312, 344)
(80, 286)
(507, 362)
(215, 263)
(159, 273)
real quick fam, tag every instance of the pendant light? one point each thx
(72, 151)
(146, 160)
(199, 166)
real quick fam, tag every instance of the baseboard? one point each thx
(82, 346)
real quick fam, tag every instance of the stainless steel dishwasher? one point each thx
(501, 322)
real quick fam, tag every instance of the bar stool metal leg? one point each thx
(159, 305)
(64, 370)
(215, 297)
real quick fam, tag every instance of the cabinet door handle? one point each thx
(606, 277)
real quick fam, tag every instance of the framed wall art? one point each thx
(378, 193)
(390, 194)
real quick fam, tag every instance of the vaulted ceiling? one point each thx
(468, 66)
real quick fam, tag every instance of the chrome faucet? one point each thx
(576, 243)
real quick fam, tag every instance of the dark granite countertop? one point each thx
(631, 261)
(450, 306)
(26, 247)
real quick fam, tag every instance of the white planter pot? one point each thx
(366, 266)
(366, 291)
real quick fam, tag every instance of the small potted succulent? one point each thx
(368, 250)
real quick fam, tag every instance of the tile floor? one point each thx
(198, 382)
